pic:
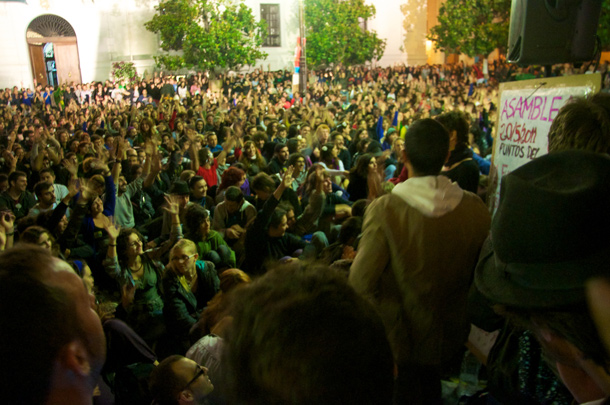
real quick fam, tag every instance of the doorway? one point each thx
(53, 51)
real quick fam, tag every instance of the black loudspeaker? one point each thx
(545, 32)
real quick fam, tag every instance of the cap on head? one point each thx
(179, 188)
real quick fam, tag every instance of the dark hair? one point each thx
(294, 157)
(204, 156)
(36, 321)
(359, 207)
(316, 358)
(293, 131)
(276, 217)
(121, 244)
(270, 127)
(260, 136)
(15, 175)
(293, 145)
(263, 182)
(194, 180)
(583, 123)
(427, 146)
(260, 160)
(234, 194)
(164, 383)
(193, 218)
(361, 168)
(363, 144)
(278, 147)
(350, 228)
(41, 187)
(456, 121)
(286, 206)
(326, 154)
(230, 177)
(33, 233)
(311, 180)
(47, 170)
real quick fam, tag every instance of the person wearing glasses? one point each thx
(139, 275)
(178, 380)
(188, 285)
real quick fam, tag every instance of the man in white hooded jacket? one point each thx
(416, 260)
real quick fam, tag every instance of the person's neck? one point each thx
(191, 274)
(45, 206)
(14, 193)
(135, 262)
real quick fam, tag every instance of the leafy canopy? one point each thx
(603, 28)
(477, 27)
(210, 33)
(471, 27)
(334, 34)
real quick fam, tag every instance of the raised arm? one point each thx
(226, 146)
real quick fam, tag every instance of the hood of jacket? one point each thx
(433, 196)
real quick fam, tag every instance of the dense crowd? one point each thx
(167, 195)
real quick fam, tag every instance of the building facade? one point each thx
(54, 41)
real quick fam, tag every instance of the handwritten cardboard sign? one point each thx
(526, 111)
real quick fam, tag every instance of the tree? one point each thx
(334, 34)
(124, 71)
(210, 33)
(471, 27)
(603, 28)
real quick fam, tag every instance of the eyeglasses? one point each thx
(182, 259)
(200, 371)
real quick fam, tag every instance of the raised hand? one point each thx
(287, 177)
(87, 193)
(73, 187)
(7, 220)
(319, 178)
(10, 160)
(156, 165)
(173, 207)
(113, 231)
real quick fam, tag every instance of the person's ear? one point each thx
(186, 396)
(74, 357)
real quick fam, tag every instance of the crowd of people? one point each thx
(244, 243)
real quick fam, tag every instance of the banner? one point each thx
(526, 111)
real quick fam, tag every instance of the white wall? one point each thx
(388, 23)
(112, 30)
(105, 32)
(280, 57)
(15, 67)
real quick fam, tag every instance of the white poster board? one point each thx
(526, 110)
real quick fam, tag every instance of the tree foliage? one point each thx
(334, 34)
(210, 33)
(472, 27)
(603, 28)
(124, 71)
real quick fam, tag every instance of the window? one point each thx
(363, 24)
(271, 14)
